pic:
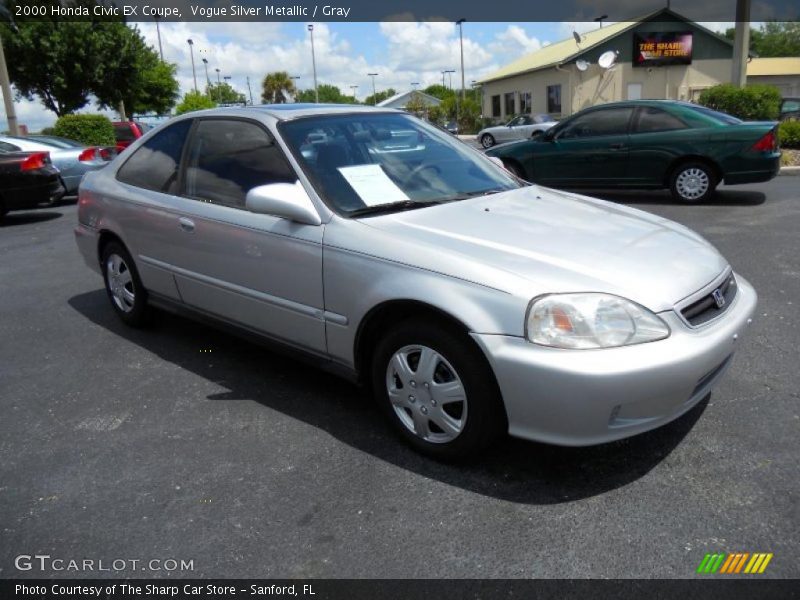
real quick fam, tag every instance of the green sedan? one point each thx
(647, 144)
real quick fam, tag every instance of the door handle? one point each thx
(186, 224)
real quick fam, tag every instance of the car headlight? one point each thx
(591, 320)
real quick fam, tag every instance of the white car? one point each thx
(518, 128)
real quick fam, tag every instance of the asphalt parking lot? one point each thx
(181, 442)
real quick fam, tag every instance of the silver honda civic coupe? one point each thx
(470, 302)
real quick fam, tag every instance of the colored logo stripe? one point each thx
(735, 563)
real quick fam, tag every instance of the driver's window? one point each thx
(514, 122)
(610, 121)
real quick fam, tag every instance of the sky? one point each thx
(400, 52)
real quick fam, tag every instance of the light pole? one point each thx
(218, 79)
(741, 43)
(450, 72)
(5, 83)
(354, 88)
(460, 24)
(414, 85)
(158, 33)
(374, 96)
(314, 62)
(249, 90)
(600, 20)
(191, 51)
(208, 81)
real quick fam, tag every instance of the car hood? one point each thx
(535, 240)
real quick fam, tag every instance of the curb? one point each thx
(790, 171)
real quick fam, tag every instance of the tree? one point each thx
(277, 87)
(439, 91)
(379, 96)
(773, 39)
(223, 93)
(194, 101)
(328, 94)
(64, 62)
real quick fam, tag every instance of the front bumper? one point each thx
(586, 397)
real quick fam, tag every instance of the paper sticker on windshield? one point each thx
(372, 184)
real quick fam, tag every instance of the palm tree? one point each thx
(277, 87)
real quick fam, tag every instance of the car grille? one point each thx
(706, 308)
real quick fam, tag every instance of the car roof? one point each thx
(284, 112)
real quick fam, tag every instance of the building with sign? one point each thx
(663, 55)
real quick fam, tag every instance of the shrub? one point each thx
(751, 103)
(48, 131)
(92, 130)
(789, 134)
(194, 101)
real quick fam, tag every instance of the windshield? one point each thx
(358, 162)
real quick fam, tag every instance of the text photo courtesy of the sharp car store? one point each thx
(657, 48)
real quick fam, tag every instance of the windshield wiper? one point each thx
(467, 195)
(390, 207)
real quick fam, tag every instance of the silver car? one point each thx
(518, 128)
(471, 303)
(72, 162)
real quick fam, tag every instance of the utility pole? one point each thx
(314, 62)
(208, 81)
(374, 95)
(8, 99)
(460, 24)
(354, 88)
(158, 32)
(249, 90)
(741, 43)
(414, 85)
(191, 51)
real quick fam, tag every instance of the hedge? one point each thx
(92, 130)
(789, 134)
(751, 103)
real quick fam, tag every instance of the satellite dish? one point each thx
(577, 37)
(607, 59)
(581, 64)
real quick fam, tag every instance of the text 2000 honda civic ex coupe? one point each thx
(471, 302)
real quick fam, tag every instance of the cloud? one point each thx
(515, 39)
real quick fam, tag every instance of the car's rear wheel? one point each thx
(693, 182)
(123, 285)
(487, 140)
(437, 389)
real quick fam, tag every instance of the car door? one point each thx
(589, 150)
(506, 133)
(524, 127)
(657, 138)
(259, 271)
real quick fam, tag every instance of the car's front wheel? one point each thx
(487, 140)
(437, 389)
(693, 182)
(123, 285)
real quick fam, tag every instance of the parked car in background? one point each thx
(521, 127)
(451, 126)
(790, 109)
(72, 163)
(648, 144)
(27, 179)
(470, 302)
(127, 132)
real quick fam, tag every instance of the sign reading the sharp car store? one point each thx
(659, 49)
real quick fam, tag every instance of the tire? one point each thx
(474, 416)
(487, 140)
(515, 169)
(3, 210)
(692, 182)
(123, 285)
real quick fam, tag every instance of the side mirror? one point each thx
(285, 200)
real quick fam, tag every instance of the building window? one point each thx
(526, 102)
(510, 104)
(554, 98)
(496, 106)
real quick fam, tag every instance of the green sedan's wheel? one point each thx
(437, 389)
(692, 182)
(487, 140)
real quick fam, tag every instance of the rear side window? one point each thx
(154, 165)
(607, 121)
(654, 119)
(6, 147)
(228, 158)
